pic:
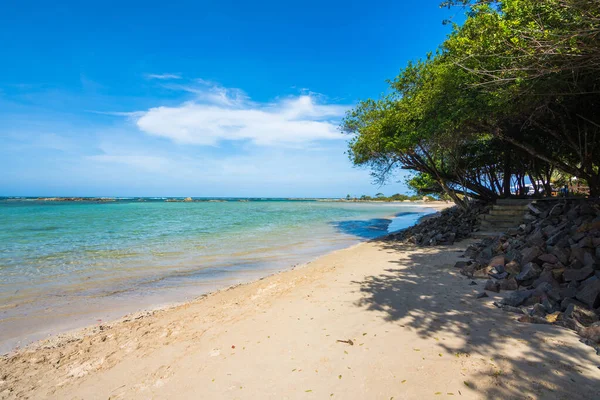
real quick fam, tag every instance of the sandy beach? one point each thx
(379, 320)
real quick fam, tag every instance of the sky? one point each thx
(197, 98)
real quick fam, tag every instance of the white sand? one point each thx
(418, 333)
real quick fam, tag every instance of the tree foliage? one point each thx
(510, 97)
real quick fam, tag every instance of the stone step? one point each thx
(485, 225)
(486, 234)
(518, 207)
(505, 202)
(512, 212)
(502, 218)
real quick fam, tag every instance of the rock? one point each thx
(557, 273)
(552, 318)
(590, 294)
(585, 242)
(554, 294)
(482, 273)
(529, 254)
(497, 261)
(548, 258)
(568, 292)
(188, 199)
(509, 308)
(516, 298)
(578, 274)
(499, 276)
(529, 271)
(482, 295)
(508, 284)
(538, 310)
(533, 319)
(461, 264)
(542, 288)
(473, 283)
(546, 276)
(561, 253)
(583, 315)
(592, 333)
(513, 268)
(571, 324)
(588, 259)
(536, 239)
(577, 254)
(492, 285)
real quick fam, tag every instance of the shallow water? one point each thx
(63, 264)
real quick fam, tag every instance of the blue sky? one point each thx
(198, 98)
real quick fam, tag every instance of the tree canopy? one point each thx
(512, 96)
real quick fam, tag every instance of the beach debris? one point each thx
(349, 341)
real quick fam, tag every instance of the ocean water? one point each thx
(65, 264)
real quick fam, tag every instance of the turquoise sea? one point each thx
(67, 264)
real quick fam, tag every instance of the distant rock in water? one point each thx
(188, 199)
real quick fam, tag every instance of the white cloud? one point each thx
(163, 76)
(217, 114)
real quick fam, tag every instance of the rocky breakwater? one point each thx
(452, 224)
(550, 265)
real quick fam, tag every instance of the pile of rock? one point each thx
(450, 225)
(551, 264)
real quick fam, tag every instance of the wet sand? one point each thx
(379, 320)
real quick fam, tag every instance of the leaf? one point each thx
(308, 391)
(467, 384)
(404, 381)
(339, 377)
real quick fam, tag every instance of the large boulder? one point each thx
(516, 298)
(492, 285)
(513, 268)
(583, 315)
(529, 271)
(578, 274)
(548, 258)
(508, 284)
(589, 294)
(529, 254)
(497, 261)
(561, 253)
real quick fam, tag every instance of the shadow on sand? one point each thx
(545, 368)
